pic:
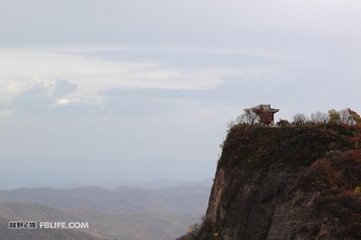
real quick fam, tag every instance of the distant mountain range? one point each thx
(121, 214)
(151, 184)
(123, 200)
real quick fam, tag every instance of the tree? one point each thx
(299, 119)
(319, 117)
(355, 116)
(248, 117)
(333, 116)
(283, 123)
(345, 117)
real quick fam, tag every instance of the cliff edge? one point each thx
(292, 182)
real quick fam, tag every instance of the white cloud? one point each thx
(62, 101)
(85, 77)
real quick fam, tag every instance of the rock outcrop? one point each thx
(295, 182)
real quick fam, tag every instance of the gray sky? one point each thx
(115, 90)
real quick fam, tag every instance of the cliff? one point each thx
(288, 182)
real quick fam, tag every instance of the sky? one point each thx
(133, 90)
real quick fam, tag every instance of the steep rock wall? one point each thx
(286, 183)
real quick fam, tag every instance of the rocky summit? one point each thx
(286, 182)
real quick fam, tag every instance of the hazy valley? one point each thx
(122, 213)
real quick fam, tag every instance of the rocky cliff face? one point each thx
(287, 183)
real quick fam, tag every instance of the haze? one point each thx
(110, 91)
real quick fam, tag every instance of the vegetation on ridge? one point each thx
(345, 116)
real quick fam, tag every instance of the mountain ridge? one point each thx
(290, 182)
(125, 200)
(124, 213)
